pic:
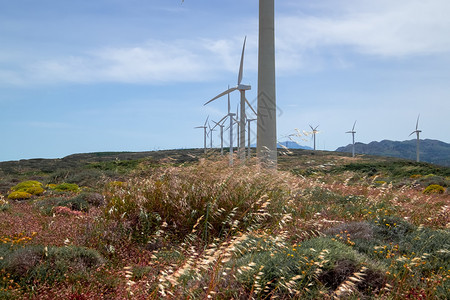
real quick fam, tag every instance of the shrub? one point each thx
(35, 190)
(303, 267)
(74, 203)
(94, 199)
(210, 198)
(19, 196)
(50, 264)
(22, 186)
(434, 189)
(67, 187)
(46, 205)
(32, 187)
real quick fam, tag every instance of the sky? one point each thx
(133, 75)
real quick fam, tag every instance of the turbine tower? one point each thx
(314, 131)
(249, 154)
(204, 133)
(267, 122)
(417, 131)
(241, 88)
(353, 138)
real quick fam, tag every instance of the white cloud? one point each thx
(153, 62)
(389, 28)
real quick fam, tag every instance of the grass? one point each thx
(321, 227)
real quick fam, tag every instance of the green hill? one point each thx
(432, 151)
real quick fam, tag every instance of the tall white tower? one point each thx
(267, 106)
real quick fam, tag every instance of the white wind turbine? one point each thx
(204, 132)
(249, 154)
(417, 131)
(241, 88)
(221, 132)
(210, 135)
(314, 131)
(353, 138)
(230, 115)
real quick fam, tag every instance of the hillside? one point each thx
(181, 224)
(431, 151)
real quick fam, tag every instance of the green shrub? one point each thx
(19, 196)
(313, 263)
(74, 203)
(22, 186)
(32, 187)
(66, 187)
(51, 264)
(35, 190)
(434, 189)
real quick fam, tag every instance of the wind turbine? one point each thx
(417, 131)
(249, 154)
(314, 131)
(211, 135)
(204, 132)
(241, 88)
(353, 137)
(221, 133)
(229, 115)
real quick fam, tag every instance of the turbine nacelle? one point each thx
(243, 87)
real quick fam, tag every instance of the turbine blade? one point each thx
(417, 124)
(353, 129)
(311, 128)
(249, 105)
(221, 120)
(241, 66)
(221, 94)
(206, 121)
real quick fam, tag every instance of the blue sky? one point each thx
(132, 75)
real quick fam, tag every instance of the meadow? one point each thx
(183, 225)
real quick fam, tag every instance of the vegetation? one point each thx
(434, 189)
(19, 195)
(323, 226)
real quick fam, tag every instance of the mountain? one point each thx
(432, 151)
(293, 145)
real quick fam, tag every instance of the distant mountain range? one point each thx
(293, 145)
(432, 151)
(289, 145)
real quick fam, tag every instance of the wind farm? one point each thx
(174, 194)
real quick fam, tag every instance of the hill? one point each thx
(182, 224)
(432, 151)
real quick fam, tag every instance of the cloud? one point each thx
(389, 29)
(153, 62)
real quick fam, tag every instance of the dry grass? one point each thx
(207, 230)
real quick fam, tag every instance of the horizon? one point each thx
(82, 77)
(253, 146)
